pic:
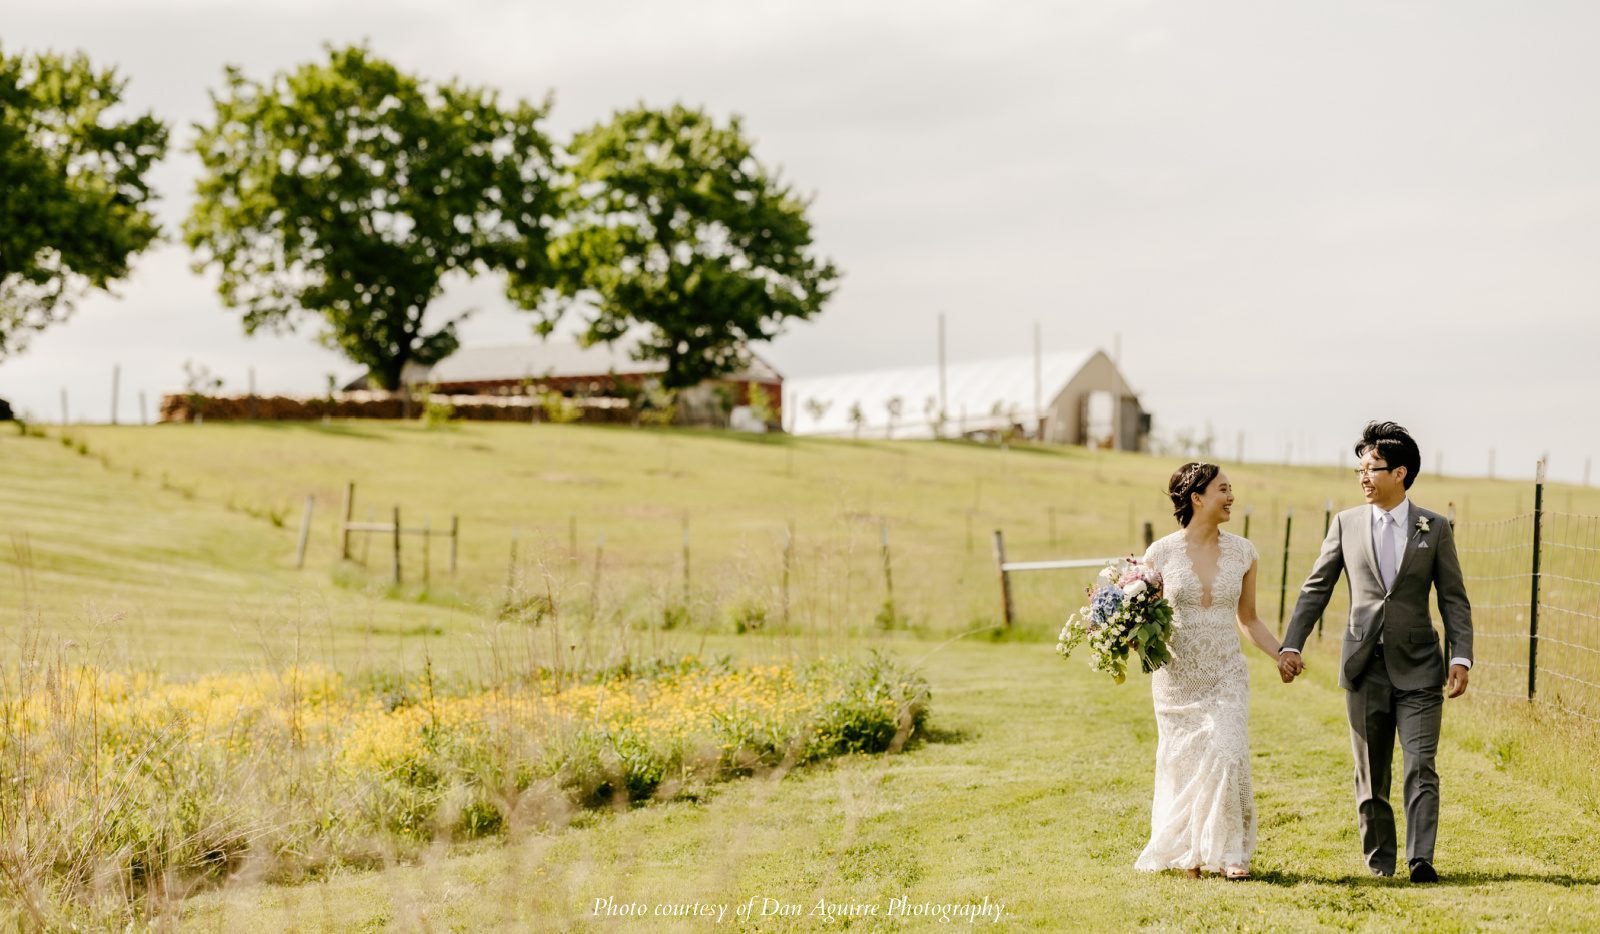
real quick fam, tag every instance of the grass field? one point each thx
(176, 522)
(1033, 793)
(172, 547)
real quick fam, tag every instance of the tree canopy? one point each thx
(348, 190)
(73, 195)
(672, 224)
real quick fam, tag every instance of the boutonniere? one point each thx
(1422, 524)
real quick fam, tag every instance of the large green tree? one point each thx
(673, 225)
(348, 190)
(73, 196)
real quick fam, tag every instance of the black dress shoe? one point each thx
(1422, 871)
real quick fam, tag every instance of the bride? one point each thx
(1204, 815)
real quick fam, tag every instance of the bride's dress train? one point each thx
(1204, 813)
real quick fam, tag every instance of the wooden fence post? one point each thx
(1246, 520)
(788, 559)
(305, 532)
(888, 573)
(344, 526)
(511, 564)
(1533, 603)
(455, 536)
(1005, 579)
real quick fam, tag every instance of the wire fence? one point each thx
(1534, 584)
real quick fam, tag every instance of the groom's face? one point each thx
(1379, 483)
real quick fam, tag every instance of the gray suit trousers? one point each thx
(1378, 712)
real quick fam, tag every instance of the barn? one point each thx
(1071, 397)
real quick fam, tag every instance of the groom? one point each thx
(1392, 553)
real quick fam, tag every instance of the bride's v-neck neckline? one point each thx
(1207, 592)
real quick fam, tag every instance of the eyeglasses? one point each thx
(1369, 471)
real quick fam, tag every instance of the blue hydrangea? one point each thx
(1107, 601)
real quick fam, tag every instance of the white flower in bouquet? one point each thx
(1126, 613)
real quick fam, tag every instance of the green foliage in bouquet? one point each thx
(1126, 614)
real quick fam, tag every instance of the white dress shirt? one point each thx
(1397, 539)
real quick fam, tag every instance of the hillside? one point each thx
(185, 535)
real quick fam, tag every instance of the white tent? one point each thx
(978, 395)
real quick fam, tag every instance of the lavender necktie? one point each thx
(1386, 563)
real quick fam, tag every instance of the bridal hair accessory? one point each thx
(1126, 612)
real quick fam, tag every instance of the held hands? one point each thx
(1291, 664)
(1458, 680)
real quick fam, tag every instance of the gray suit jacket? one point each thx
(1410, 645)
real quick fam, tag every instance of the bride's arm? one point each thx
(1254, 629)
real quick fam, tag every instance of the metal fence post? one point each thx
(1533, 605)
(1246, 520)
(1005, 579)
(397, 546)
(1283, 580)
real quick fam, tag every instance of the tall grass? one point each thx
(126, 792)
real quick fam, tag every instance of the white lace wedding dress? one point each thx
(1204, 813)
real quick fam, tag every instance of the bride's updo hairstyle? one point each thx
(1186, 481)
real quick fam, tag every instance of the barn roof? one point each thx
(539, 360)
(979, 394)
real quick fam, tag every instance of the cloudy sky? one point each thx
(1297, 216)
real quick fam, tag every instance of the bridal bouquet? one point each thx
(1126, 613)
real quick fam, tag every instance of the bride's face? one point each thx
(1216, 503)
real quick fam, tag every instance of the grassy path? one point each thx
(1034, 795)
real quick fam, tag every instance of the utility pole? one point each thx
(1116, 392)
(943, 404)
(1038, 383)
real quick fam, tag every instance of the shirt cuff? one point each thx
(1464, 662)
(1283, 649)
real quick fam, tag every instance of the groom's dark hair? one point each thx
(1395, 445)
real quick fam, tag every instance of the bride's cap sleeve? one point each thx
(1250, 549)
(1152, 554)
